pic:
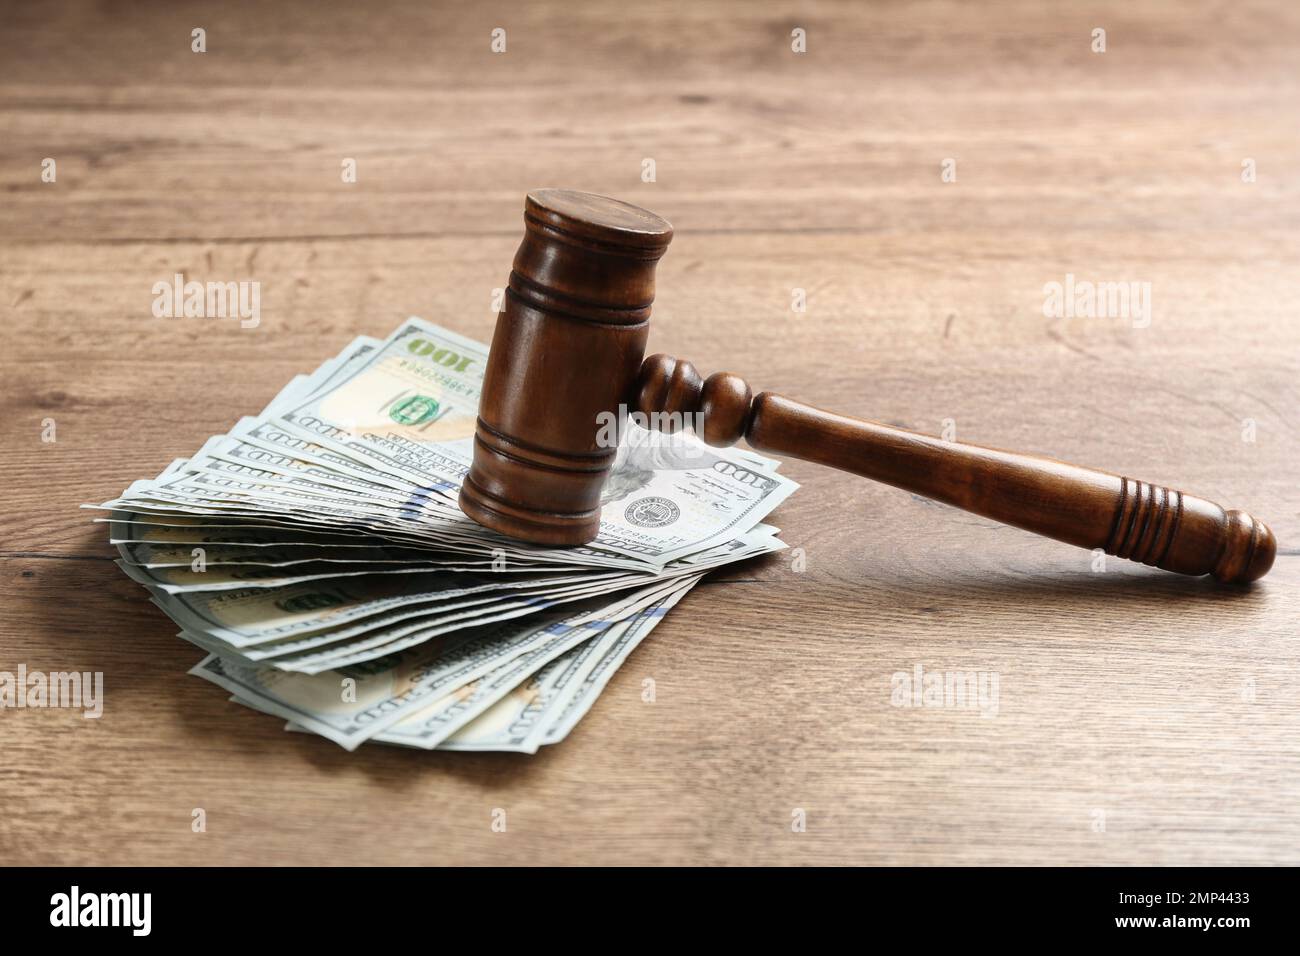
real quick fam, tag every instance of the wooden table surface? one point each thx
(1141, 718)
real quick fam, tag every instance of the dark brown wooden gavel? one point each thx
(567, 353)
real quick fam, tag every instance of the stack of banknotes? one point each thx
(317, 554)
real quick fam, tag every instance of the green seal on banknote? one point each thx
(414, 410)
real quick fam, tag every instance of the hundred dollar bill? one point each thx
(349, 706)
(259, 624)
(241, 577)
(330, 649)
(433, 724)
(569, 706)
(508, 723)
(230, 498)
(220, 549)
(352, 704)
(395, 410)
(504, 726)
(282, 556)
(525, 606)
(429, 619)
(256, 616)
(519, 720)
(216, 490)
(428, 728)
(193, 531)
(316, 626)
(391, 640)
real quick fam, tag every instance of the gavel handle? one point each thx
(1125, 517)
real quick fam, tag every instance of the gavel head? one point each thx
(564, 357)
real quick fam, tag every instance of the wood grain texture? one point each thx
(1125, 693)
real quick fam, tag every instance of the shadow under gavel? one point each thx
(567, 353)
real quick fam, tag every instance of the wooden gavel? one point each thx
(567, 353)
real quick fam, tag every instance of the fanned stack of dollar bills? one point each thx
(317, 554)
